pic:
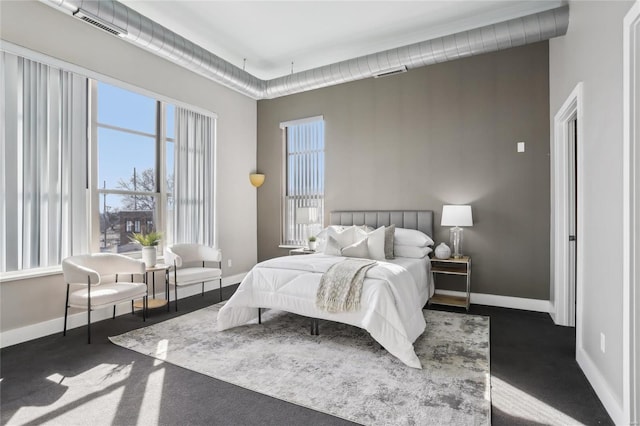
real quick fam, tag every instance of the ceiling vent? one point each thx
(100, 23)
(116, 18)
(391, 71)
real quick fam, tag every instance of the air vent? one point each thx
(391, 71)
(100, 23)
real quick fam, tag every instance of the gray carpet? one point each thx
(343, 371)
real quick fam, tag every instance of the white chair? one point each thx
(97, 276)
(190, 266)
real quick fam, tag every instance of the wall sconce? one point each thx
(256, 179)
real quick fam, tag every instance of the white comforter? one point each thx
(391, 304)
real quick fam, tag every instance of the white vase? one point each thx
(149, 256)
(312, 245)
(443, 251)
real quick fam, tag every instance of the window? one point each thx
(62, 194)
(137, 140)
(43, 216)
(169, 164)
(129, 130)
(195, 181)
(304, 179)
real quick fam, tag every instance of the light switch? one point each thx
(520, 146)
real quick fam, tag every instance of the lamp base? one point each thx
(455, 238)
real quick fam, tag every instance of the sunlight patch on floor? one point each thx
(517, 403)
(56, 378)
(97, 390)
(161, 352)
(152, 398)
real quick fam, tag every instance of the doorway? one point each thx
(572, 145)
(566, 253)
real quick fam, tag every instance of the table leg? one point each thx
(166, 287)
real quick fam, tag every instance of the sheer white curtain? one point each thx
(43, 202)
(194, 214)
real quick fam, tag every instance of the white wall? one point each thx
(591, 52)
(41, 28)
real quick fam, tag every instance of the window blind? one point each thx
(304, 180)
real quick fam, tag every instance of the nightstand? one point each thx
(451, 266)
(301, 250)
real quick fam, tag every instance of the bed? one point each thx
(393, 293)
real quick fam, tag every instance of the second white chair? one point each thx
(190, 266)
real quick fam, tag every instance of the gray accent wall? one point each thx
(441, 134)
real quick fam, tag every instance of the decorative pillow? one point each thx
(332, 247)
(358, 249)
(411, 251)
(365, 228)
(325, 232)
(375, 242)
(346, 237)
(388, 241)
(411, 237)
(321, 237)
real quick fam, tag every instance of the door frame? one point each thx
(630, 211)
(564, 297)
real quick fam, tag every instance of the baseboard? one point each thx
(502, 301)
(192, 290)
(601, 387)
(53, 326)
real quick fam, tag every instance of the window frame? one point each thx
(160, 139)
(285, 157)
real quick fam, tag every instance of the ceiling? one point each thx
(272, 34)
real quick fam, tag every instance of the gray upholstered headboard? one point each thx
(422, 220)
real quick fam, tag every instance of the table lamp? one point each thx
(456, 216)
(306, 216)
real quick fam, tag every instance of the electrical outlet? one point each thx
(602, 342)
(520, 146)
(229, 263)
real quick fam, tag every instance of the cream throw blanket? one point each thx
(340, 287)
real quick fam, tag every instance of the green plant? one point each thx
(147, 240)
(312, 239)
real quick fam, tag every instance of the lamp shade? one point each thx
(306, 215)
(256, 179)
(456, 216)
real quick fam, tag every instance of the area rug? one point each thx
(343, 371)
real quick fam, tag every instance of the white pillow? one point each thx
(324, 233)
(411, 251)
(358, 249)
(343, 238)
(375, 242)
(332, 247)
(411, 237)
(322, 236)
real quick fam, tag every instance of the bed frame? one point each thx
(422, 220)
